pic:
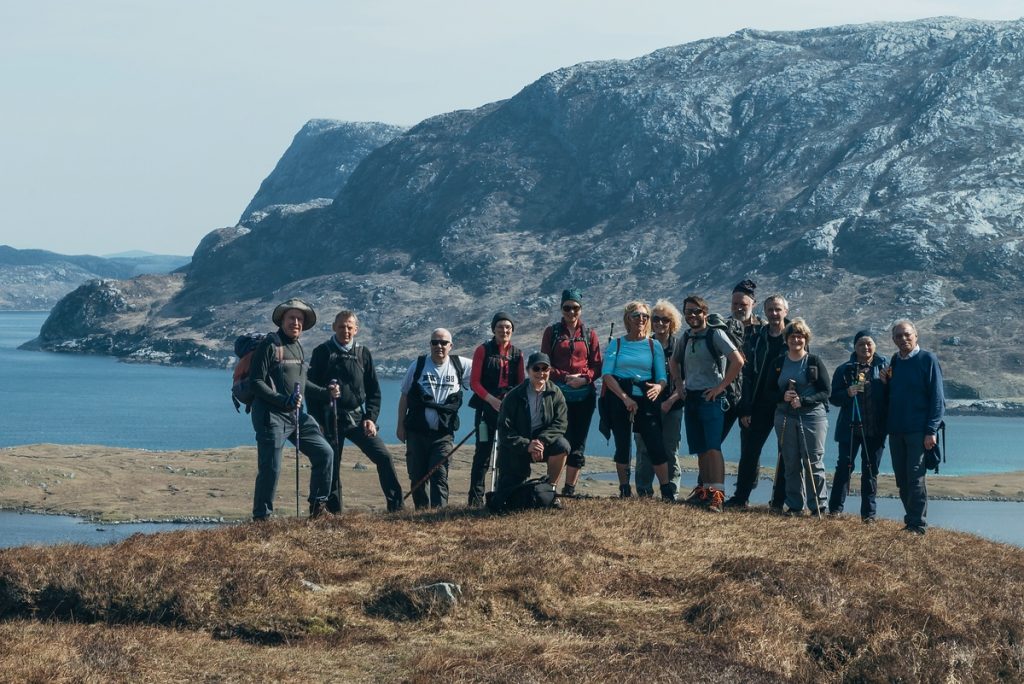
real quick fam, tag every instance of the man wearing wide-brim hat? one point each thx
(278, 378)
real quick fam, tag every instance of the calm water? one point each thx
(20, 529)
(73, 399)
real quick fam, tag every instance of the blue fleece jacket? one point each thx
(916, 400)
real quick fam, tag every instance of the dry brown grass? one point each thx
(602, 591)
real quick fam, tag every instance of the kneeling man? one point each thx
(531, 426)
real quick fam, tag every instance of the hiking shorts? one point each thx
(704, 420)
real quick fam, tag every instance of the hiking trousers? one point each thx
(423, 450)
(579, 414)
(486, 423)
(272, 430)
(907, 451)
(377, 452)
(871, 459)
(671, 432)
(802, 440)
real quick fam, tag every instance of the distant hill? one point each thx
(867, 172)
(36, 279)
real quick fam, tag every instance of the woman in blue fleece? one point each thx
(634, 374)
(916, 407)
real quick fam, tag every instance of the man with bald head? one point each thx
(428, 416)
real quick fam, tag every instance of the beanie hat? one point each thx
(862, 333)
(573, 294)
(501, 316)
(746, 286)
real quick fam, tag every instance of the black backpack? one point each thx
(535, 493)
(715, 322)
(935, 455)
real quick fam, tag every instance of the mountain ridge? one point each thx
(867, 172)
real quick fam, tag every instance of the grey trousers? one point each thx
(802, 439)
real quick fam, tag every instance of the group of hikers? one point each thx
(670, 370)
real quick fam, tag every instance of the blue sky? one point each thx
(129, 124)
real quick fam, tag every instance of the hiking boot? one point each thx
(735, 502)
(716, 500)
(396, 506)
(625, 492)
(645, 493)
(793, 513)
(869, 520)
(668, 492)
(318, 509)
(569, 491)
(776, 509)
(835, 514)
(698, 497)
(914, 529)
(475, 502)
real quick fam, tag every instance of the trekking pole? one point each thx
(494, 460)
(297, 431)
(807, 462)
(339, 444)
(437, 465)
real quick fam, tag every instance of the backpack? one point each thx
(935, 455)
(447, 415)
(558, 330)
(715, 322)
(535, 493)
(241, 386)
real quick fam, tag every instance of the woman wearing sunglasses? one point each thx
(575, 363)
(634, 376)
(665, 323)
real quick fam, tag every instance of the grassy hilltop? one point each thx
(602, 591)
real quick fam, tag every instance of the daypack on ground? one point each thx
(241, 386)
(535, 493)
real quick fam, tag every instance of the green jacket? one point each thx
(514, 426)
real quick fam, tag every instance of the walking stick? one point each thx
(494, 460)
(807, 462)
(339, 444)
(437, 465)
(297, 431)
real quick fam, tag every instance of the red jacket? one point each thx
(569, 356)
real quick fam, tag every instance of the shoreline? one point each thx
(107, 485)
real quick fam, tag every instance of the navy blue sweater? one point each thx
(916, 400)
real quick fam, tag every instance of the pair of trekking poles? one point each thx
(338, 443)
(806, 456)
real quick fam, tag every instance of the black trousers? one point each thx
(646, 422)
(375, 450)
(752, 441)
(424, 450)
(486, 423)
(580, 413)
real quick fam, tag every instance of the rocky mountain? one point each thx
(35, 279)
(867, 172)
(318, 163)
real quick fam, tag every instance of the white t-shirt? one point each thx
(439, 382)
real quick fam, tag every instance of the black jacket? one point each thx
(357, 380)
(515, 430)
(877, 404)
(274, 375)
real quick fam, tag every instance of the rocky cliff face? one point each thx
(318, 163)
(867, 172)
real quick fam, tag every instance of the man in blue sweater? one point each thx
(916, 407)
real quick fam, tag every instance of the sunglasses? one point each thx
(541, 369)
(694, 312)
(639, 316)
(660, 319)
(571, 309)
(439, 343)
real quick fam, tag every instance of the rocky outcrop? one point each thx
(318, 163)
(867, 172)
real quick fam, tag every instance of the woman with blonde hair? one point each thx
(634, 376)
(665, 323)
